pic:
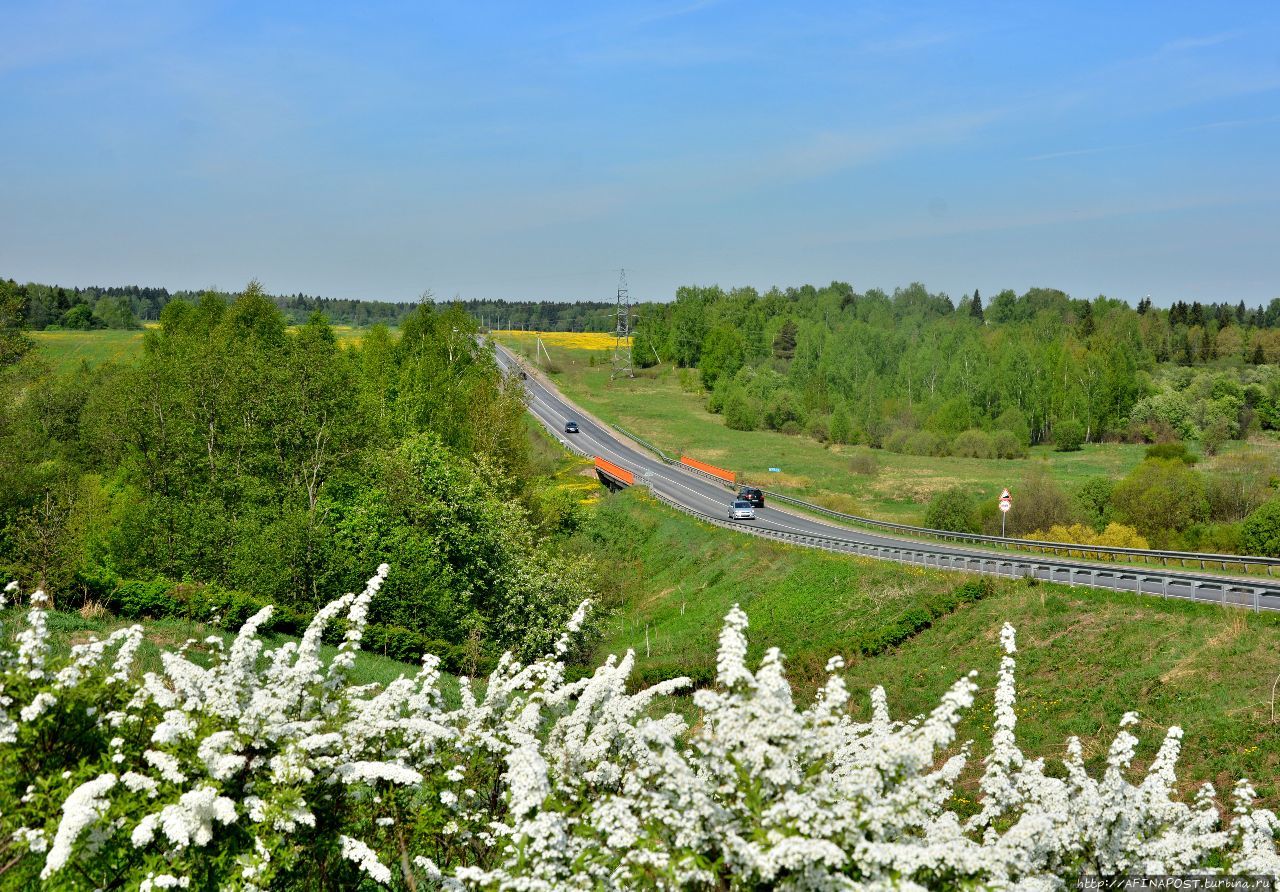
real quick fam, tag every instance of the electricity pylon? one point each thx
(622, 336)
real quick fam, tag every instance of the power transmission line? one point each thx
(622, 336)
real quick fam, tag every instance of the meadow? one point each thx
(667, 407)
(590, 341)
(1085, 656)
(68, 349)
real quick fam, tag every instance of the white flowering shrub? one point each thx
(268, 769)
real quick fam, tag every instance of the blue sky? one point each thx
(528, 150)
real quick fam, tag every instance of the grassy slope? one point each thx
(1086, 656)
(656, 406)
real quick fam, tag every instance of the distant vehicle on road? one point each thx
(741, 509)
(571, 427)
(524, 376)
(752, 495)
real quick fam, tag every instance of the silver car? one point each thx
(741, 509)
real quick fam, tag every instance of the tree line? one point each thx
(240, 461)
(915, 371)
(127, 307)
(544, 315)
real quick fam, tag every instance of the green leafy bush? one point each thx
(973, 443)
(1161, 496)
(1007, 444)
(740, 413)
(924, 443)
(1175, 450)
(1068, 435)
(952, 510)
(134, 599)
(841, 429)
(896, 440)
(1260, 533)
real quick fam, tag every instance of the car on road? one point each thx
(571, 427)
(741, 509)
(753, 495)
(524, 376)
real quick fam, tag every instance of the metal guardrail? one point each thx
(1145, 554)
(1043, 545)
(1230, 592)
(666, 459)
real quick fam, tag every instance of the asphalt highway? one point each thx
(700, 495)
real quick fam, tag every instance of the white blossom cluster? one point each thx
(266, 768)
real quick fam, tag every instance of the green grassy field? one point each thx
(65, 350)
(1085, 656)
(667, 407)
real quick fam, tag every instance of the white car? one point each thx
(742, 510)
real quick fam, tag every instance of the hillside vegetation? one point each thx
(1085, 656)
(237, 461)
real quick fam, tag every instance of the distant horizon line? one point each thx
(427, 295)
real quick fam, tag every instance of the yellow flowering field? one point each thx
(571, 340)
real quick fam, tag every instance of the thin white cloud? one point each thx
(1184, 44)
(832, 151)
(1072, 153)
(1164, 139)
(675, 12)
(908, 43)
(1012, 221)
(1238, 122)
(665, 53)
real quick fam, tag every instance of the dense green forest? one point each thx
(914, 372)
(544, 315)
(239, 461)
(53, 306)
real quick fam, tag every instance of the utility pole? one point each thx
(622, 336)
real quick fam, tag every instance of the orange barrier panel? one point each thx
(728, 476)
(622, 475)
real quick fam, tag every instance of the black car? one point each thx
(752, 495)
(571, 427)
